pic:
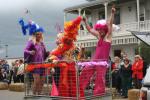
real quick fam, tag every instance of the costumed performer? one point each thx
(103, 31)
(35, 52)
(65, 49)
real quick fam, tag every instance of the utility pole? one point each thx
(0, 44)
(6, 47)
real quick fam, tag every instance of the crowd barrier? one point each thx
(71, 80)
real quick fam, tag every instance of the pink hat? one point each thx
(101, 24)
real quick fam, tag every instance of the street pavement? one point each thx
(11, 95)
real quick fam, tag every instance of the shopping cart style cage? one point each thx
(69, 80)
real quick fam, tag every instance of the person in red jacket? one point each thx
(137, 71)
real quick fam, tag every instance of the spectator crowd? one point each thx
(13, 71)
(127, 74)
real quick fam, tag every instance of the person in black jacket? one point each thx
(126, 77)
(1, 75)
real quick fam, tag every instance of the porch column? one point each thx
(138, 13)
(106, 4)
(79, 13)
(138, 18)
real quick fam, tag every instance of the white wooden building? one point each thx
(130, 15)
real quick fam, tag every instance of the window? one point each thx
(117, 53)
(90, 21)
(101, 15)
(142, 10)
(81, 27)
(117, 16)
(141, 17)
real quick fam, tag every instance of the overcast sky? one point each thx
(44, 12)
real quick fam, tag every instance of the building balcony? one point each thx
(133, 26)
(121, 37)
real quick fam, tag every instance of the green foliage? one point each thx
(88, 54)
(144, 52)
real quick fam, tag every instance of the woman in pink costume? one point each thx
(103, 31)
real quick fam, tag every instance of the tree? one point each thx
(144, 51)
(88, 53)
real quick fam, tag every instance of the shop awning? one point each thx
(143, 36)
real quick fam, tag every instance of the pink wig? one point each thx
(101, 24)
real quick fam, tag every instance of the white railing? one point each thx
(84, 35)
(143, 26)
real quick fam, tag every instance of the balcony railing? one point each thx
(143, 26)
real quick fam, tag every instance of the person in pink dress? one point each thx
(103, 32)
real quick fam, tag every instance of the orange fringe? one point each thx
(69, 37)
(31, 67)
